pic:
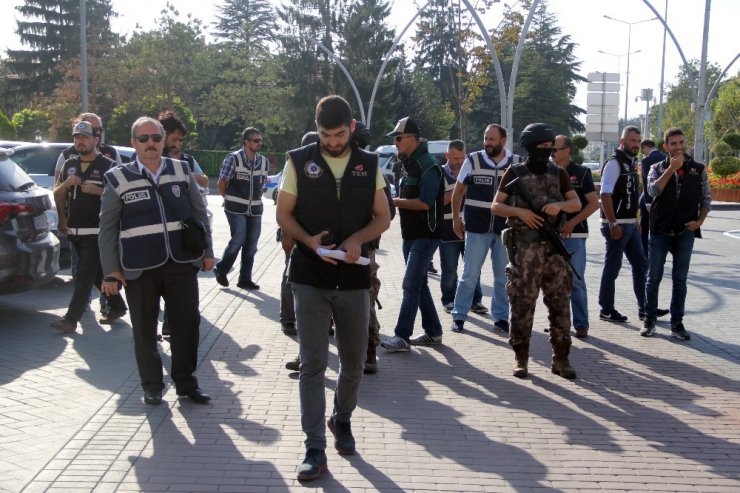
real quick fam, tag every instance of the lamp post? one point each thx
(629, 46)
(619, 57)
(647, 96)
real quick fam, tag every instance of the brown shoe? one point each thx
(521, 352)
(294, 365)
(581, 332)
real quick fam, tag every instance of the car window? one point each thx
(37, 161)
(12, 178)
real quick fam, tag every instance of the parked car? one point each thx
(270, 190)
(126, 153)
(29, 253)
(9, 144)
(592, 166)
(39, 160)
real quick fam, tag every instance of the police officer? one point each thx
(533, 264)
(331, 197)
(242, 176)
(77, 196)
(141, 247)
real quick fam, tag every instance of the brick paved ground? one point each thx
(644, 414)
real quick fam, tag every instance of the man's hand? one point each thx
(314, 243)
(552, 209)
(458, 227)
(91, 188)
(353, 248)
(530, 218)
(676, 162)
(72, 181)
(288, 243)
(568, 228)
(110, 288)
(208, 264)
(615, 232)
(62, 225)
(693, 225)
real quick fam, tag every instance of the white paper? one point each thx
(340, 255)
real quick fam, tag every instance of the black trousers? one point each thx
(178, 285)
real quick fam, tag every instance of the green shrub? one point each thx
(722, 149)
(733, 140)
(7, 129)
(725, 165)
(579, 141)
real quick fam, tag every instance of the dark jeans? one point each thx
(630, 245)
(449, 258)
(245, 232)
(416, 294)
(178, 285)
(680, 246)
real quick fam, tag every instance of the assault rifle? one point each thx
(547, 231)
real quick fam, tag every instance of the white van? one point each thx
(388, 156)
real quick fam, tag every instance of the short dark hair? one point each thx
(456, 144)
(249, 132)
(309, 138)
(171, 122)
(501, 130)
(333, 112)
(671, 132)
(647, 142)
(630, 129)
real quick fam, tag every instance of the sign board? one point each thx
(603, 77)
(611, 119)
(599, 99)
(602, 120)
(603, 87)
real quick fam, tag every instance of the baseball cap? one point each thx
(405, 126)
(84, 128)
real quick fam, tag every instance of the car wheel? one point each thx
(274, 196)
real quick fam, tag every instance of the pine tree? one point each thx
(51, 29)
(247, 25)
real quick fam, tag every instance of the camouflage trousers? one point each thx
(374, 326)
(537, 267)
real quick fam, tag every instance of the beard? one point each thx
(631, 152)
(493, 151)
(333, 153)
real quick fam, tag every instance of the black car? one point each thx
(29, 252)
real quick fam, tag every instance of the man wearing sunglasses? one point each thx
(144, 204)
(243, 174)
(421, 207)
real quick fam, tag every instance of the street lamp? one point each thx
(619, 57)
(647, 96)
(629, 45)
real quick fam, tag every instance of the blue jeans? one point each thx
(680, 247)
(449, 256)
(630, 245)
(245, 231)
(579, 295)
(416, 294)
(476, 247)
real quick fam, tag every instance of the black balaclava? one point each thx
(537, 159)
(533, 135)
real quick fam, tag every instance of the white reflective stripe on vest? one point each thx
(448, 216)
(577, 236)
(477, 203)
(95, 182)
(628, 220)
(82, 231)
(239, 200)
(152, 229)
(487, 172)
(124, 185)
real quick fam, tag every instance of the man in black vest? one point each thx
(240, 181)
(77, 196)
(619, 226)
(575, 229)
(681, 201)
(331, 202)
(142, 247)
(107, 151)
(421, 208)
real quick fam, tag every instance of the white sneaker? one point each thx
(426, 340)
(395, 345)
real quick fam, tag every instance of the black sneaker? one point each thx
(660, 312)
(479, 308)
(289, 329)
(678, 331)
(344, 442)
(431, 269)
(248, 285)
(648, 329)
(457, 326)
(612, 316)
(64, 325)
(502, 325)
(312, 466)
(222, 279)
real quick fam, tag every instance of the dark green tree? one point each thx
(247, 25)
(28, 121)
(51, 30)
(7, 129)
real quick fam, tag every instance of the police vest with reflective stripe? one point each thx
(150, 231)
(481, 188)
(625, 195)
(448, 233)
(83, 209)
(244, 191)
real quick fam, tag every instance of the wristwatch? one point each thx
(613, 225)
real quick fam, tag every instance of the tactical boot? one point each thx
(560, 364)
(521, 353)
(371, 362)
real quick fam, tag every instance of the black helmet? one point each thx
(361, 135)
(536, 133)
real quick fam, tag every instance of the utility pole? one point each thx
(83, 55)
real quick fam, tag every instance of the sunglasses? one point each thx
(399, 138)
(144, 138)
(256, 141)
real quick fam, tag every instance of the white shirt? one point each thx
(155, 176)
(467, 167)
(610, 175)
